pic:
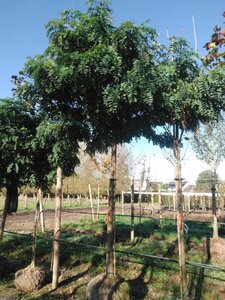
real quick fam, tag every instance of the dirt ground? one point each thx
(23, 222)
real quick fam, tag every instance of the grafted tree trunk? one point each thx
(179, 202)
(57, 229)
(110, 252)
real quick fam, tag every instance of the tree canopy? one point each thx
(102, 76)
(208, 142)
(204, 182)
(17, 128)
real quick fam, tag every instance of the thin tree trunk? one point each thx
(214, 212)
(122, 203)
(110, 252)
(4, 215)
(91, 201)
(42, 219)
(57, 229)
(98, 202)
(140, 207)
(25, 201)
(179, 201)
(132, 214)
(152, 201)
(160, 205)
(37, 216)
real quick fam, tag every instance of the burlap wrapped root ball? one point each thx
(29, 279)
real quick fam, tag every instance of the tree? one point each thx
(94, 170)
(97, 74)
(60, 137)
(182, 70)
(208, 143)
(185, 104)
(204, 182)
(110, 81)
(17, 128)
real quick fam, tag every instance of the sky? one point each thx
(23, 34)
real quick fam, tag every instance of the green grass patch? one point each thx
(143, 276)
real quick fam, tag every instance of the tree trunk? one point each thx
(37, 216)
(132, 214)
(98, 202)
(140, 207)
(25, 201)
(179, 202)
(57, 229)
(4, 214)
(42, 219)
(214, 212)
(160, 205)
(110, 252)
(11, 204)
(122, 203)
(91, 201)
(12, 197)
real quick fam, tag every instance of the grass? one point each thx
(143, 278)
(50, 204)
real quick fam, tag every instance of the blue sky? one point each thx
(23, 34)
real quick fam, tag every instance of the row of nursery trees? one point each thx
(93, 170)
(103, 85)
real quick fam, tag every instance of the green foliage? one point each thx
(211, 93)
(17, 127)
(204, 182)
(16, 130)
(101, 75)
(181, 90)
(104, 85)
(208, 142)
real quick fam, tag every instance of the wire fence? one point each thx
(142, 216)
(91, 247)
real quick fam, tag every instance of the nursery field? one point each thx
(147, 268)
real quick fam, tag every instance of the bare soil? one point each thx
(23, 221)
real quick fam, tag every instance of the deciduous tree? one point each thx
(208, 143)
(95, 73)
